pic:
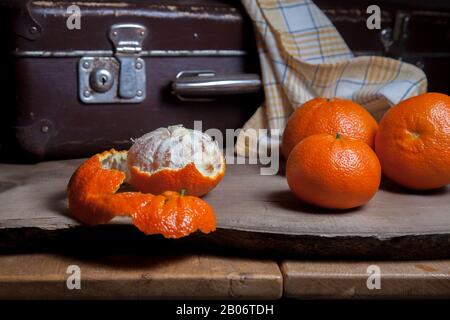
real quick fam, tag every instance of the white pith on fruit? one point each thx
(116, 160)
(174, 148)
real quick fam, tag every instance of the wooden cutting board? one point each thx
(254, 212)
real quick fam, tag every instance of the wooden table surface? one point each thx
(254, 212)
(126, 276)
(265, 218)
(348, 279)
(44, 275)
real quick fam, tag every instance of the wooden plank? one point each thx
(43, 276)
(348, 280)
(255, 211)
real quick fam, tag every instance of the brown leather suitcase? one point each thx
(130, 67)
(415, 31)
(46, 115)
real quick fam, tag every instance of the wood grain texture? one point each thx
(348, 280)
(257, 212)
(42, 276)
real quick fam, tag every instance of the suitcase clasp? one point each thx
(117, 79)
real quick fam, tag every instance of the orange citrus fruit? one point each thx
(413, 142)
(321, 115)
(175, 159)
(93, 200)
(333, 171)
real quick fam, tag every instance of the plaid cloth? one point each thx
(303, 56)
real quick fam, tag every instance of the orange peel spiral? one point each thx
(93, 199)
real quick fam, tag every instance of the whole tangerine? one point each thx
(333, 171)
(413, 142)
(322, 115)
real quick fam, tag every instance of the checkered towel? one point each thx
(303, 56)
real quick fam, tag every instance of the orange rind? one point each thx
(93, 199)
(175, 215)
(93, 183)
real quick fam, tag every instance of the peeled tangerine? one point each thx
(93, 199)
(175, 158)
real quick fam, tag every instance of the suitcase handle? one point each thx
(205, 84)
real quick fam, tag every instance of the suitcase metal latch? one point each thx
(119, 78)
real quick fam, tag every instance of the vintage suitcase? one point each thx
(85, 78)
(415, 31)
(43, 83)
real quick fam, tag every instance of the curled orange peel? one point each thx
(93, 199)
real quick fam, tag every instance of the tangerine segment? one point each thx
(175, 215)
(92, 180)
(188, 178)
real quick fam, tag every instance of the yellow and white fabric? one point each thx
(303, 56)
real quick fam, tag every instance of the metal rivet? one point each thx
(114, 33)
(138, 65)
(45, 129)
(33, 29)
(142, 33)
(86, 65)
(195, 35)
(87, 93)
(139, 93)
